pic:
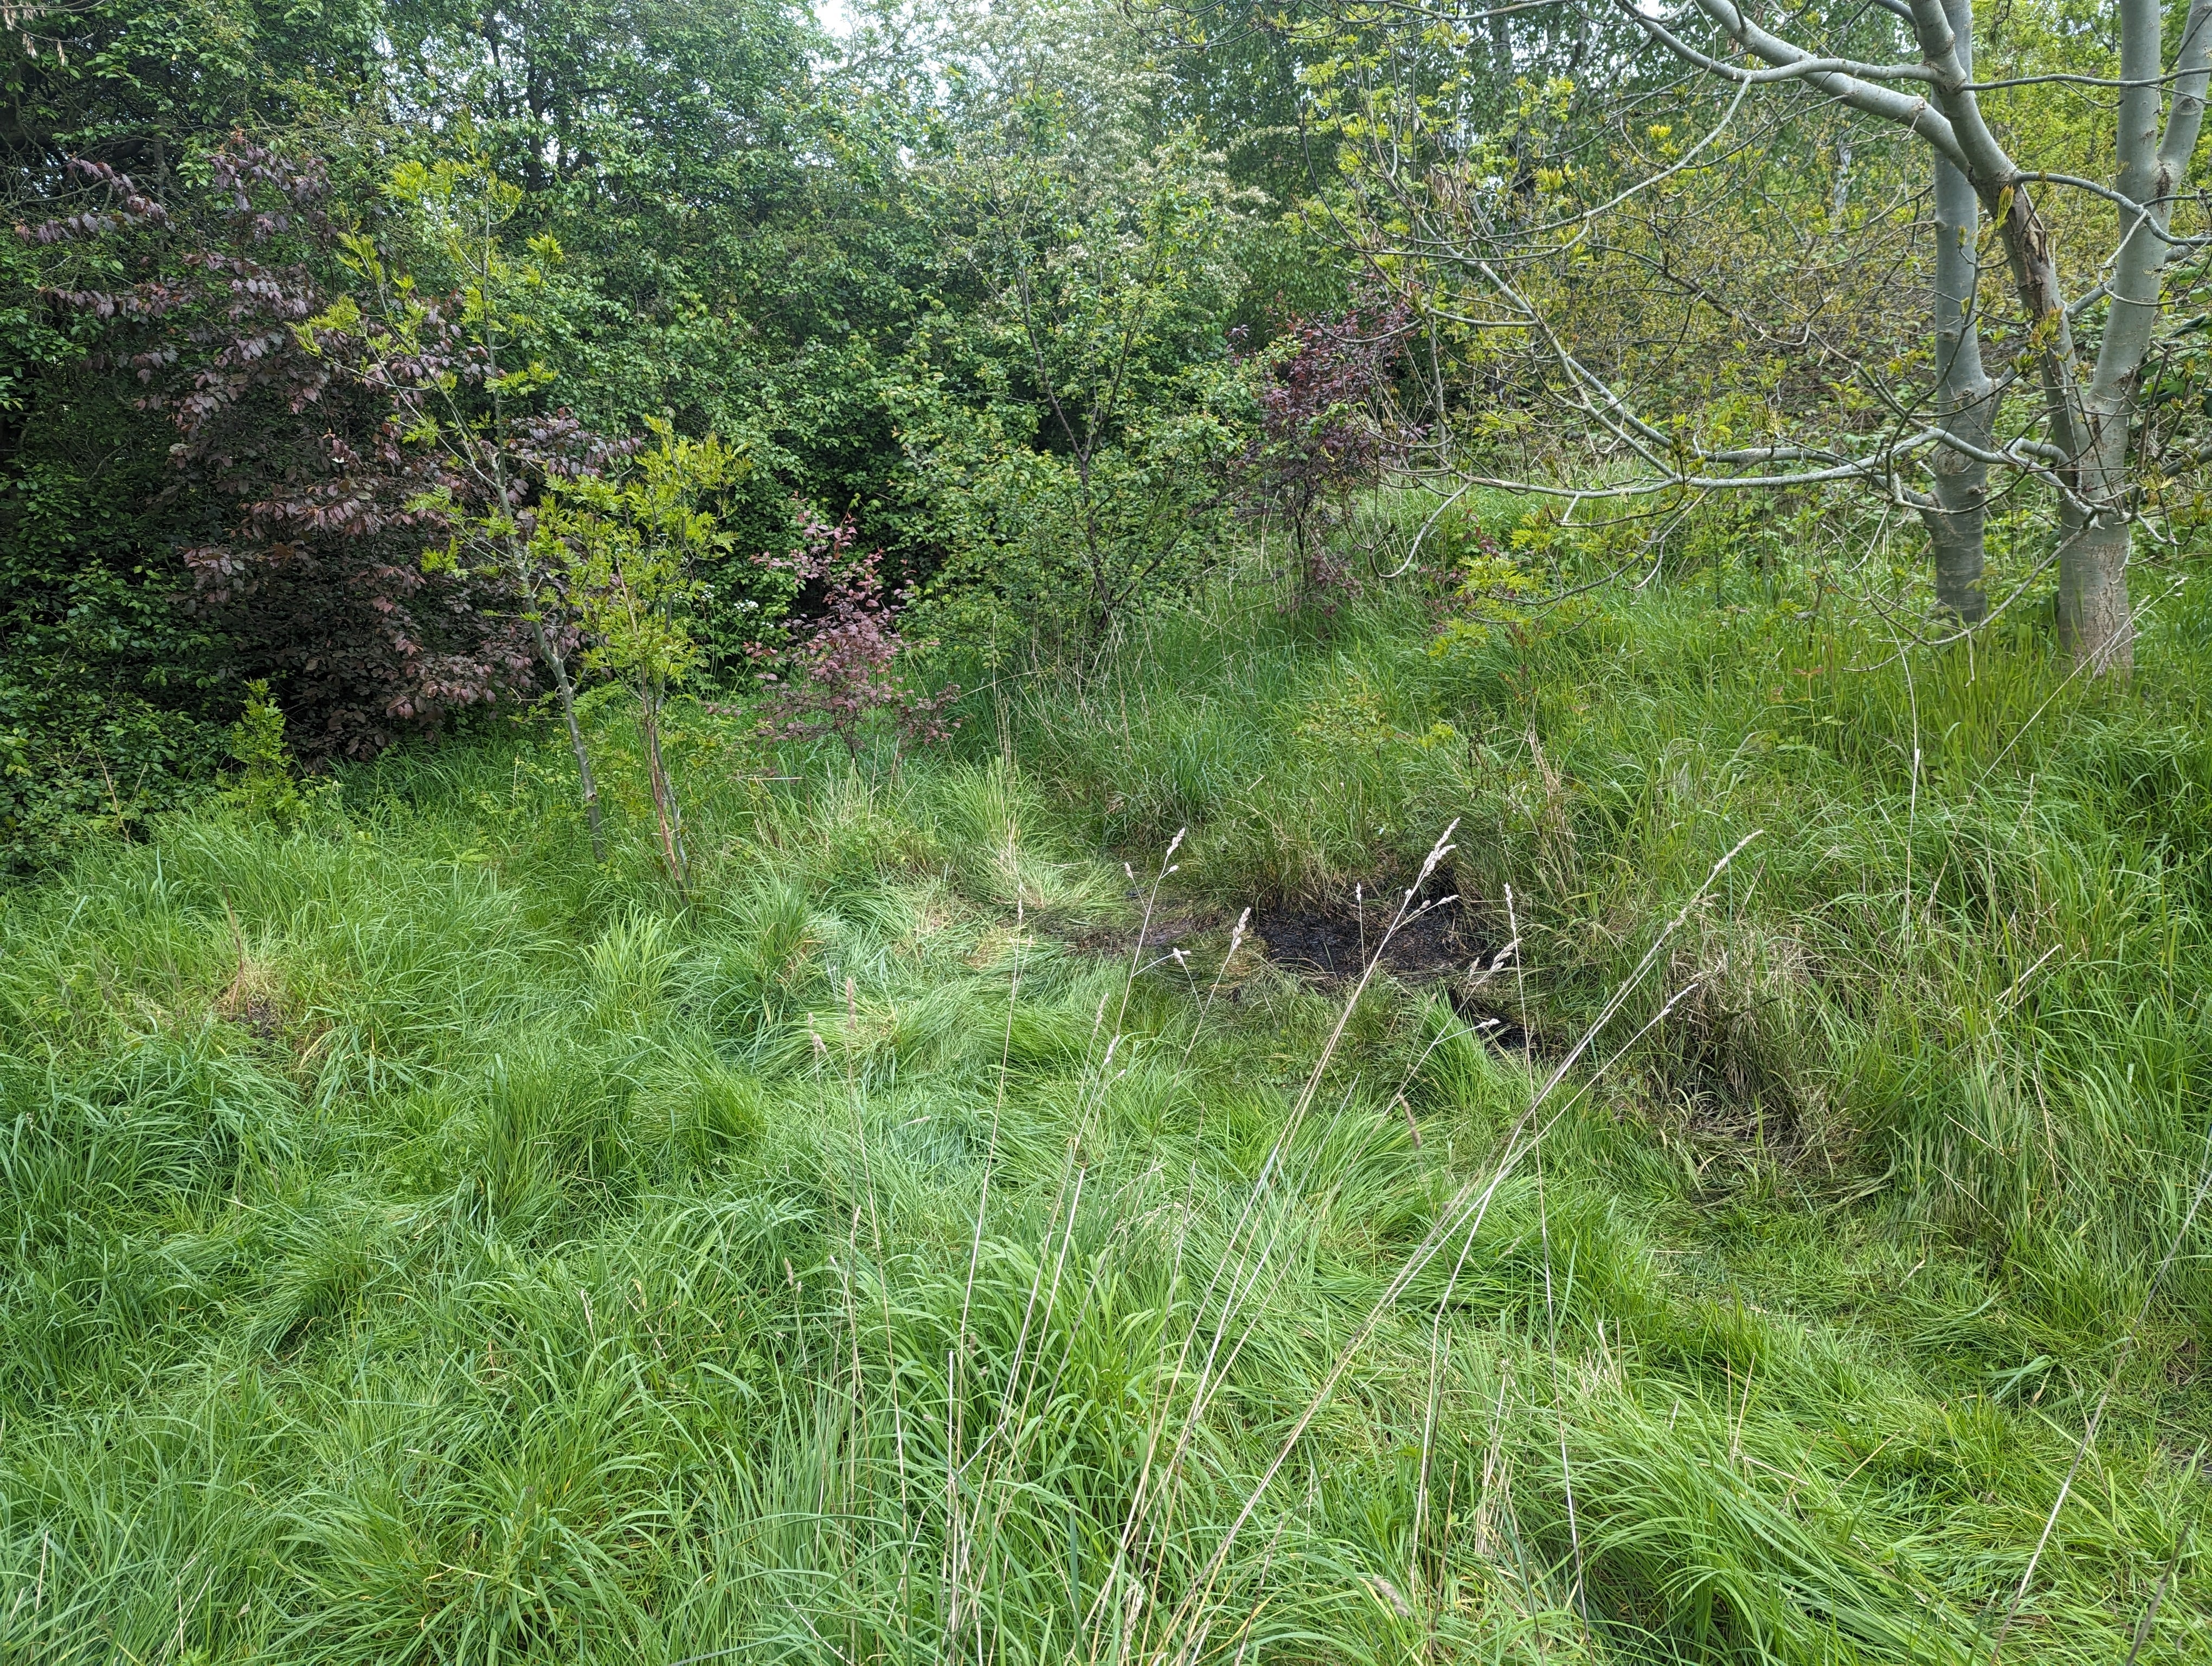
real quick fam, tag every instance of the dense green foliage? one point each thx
(967, 279)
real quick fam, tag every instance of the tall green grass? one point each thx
(425, 1247)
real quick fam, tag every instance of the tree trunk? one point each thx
(2094, 619)
(1957, 525)
(2095, 623)
(2004, 194)
(558, 663)
(664, 791)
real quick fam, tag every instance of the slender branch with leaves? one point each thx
(471, 399)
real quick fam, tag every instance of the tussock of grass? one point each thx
(424, 1247)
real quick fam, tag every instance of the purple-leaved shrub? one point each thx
(836, 666)
(1326, 430)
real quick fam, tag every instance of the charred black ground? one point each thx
(1436, 939)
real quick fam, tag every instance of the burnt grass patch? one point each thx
(1445, 944)
(1329, 945)
(1333, 943)
(1323, 943)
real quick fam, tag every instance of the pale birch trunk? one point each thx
(2089, 420)
(1958, 522)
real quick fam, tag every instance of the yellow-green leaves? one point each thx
(623, 548)
(341, 317)
(620, 549)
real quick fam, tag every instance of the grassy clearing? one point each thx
(426, 1248)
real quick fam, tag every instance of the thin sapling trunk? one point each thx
(558, 663)
(652, 693)
(628, 544)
